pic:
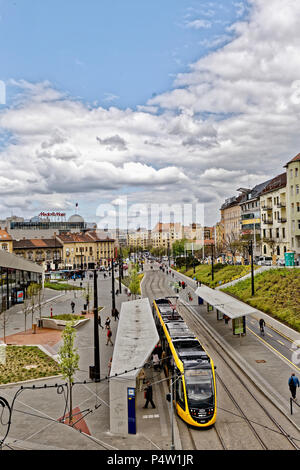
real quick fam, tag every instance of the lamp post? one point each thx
(95, 370)
(120, 273)
(113, 299)
(212, 262)
(250, 248)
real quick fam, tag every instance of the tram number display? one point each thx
(197, 372)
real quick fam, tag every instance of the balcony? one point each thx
(281, 220)
(266, 207)
(281, 205)
(268, 221)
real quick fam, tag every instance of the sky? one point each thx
(161, 102)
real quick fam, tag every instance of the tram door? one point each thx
(179, 396)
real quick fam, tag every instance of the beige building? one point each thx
(45, 252)
(6, 243)
(86, 250)
(293, 204)
(274, 226)
(231, 219)
(165, 234)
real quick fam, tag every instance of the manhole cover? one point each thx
(259, 361)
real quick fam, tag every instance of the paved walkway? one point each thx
(35, 421)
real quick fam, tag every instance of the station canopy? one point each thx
(223, 302)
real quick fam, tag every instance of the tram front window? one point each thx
(199, 386)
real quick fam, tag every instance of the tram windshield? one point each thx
(199, 386)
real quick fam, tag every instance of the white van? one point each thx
(265, 261)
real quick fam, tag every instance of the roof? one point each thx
(164, 227)
(223, 302)
(99, 236)
(231, 202)
(4, 236)
(295, 159)
(136, 338)
(276, 183)
(74, 238)
(36, 243)
(10, 260)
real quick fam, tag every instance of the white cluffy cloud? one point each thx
(232, 120)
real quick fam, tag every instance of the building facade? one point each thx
(274, 227)
(293, 204)
(6, 242)
(16, 274)
(46, 252)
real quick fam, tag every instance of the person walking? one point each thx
(155, 361)
(115, 314)
(293, 384)
(149, 395)
(107, 323)
(109, 335)
(73, 306)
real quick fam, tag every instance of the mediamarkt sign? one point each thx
(52, 214)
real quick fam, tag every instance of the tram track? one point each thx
(280, 430)
(256, 424)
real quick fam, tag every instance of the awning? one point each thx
(226, 304)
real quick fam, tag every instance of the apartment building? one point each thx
(293, 204)
(6, 243)
(274, 226)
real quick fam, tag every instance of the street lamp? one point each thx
(113, 298)
(95, 370)
(250, 249)
(212, 262)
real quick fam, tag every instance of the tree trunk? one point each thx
(71, 403)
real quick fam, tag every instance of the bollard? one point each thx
(51, 313)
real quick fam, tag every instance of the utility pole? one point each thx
(212, 262)
(95, 370)
(252, 267)
(113, 298)
(120, 274)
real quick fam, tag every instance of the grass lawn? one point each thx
(61, 286)
(67, 317)
(222, 273)
(277, 292)
(19, 357)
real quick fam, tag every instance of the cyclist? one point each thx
(262, 325)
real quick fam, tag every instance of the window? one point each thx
(297, 188)
(278, 250)
(264, 233)
(291, 173)
(277, 233)
(283, 232)
(292, 207)
(296, 172)
(265, 249)
(292, 190)
(298, 206)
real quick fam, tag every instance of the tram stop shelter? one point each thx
(135, 340)
(227, 307)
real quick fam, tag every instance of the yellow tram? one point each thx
(192, 368)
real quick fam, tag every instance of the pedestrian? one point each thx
(115, 314)
(155, 361)
(117, 292)
(141, 379)
(148, 395)
(73, 306)
(107, 323)
(293, 384)
(109, 366)
(99, 322)
(109, 335)
(158, 349)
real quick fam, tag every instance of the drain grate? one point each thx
(260, 361)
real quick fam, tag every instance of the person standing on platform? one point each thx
(149, 395)
(141, 379)
(73, 306)
(107, 323)
(293, 384)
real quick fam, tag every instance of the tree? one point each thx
(69, 360)
(40, 296)
(134, 285)
(3, 317)
(87, 295)
(32, 291)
